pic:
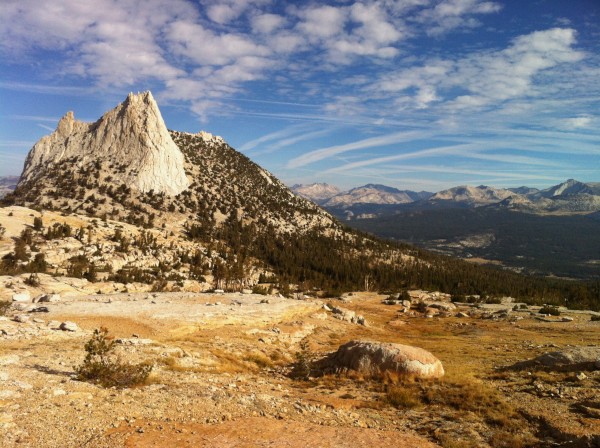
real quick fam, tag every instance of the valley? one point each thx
(542, 245)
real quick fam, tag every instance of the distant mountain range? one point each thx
(550, 232)
(8, 184)
(370, 201)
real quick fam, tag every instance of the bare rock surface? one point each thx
(377, 357)
(221, 377)
(132, 135)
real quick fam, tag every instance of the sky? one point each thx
(413, 94)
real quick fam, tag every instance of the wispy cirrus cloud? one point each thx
(373, 142)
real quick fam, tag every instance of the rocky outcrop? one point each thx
(569, 359)
(132, 138)
(374, 358)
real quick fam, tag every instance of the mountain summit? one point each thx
(132, 138)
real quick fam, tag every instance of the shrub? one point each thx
(549, 309)
(101, 365)
(256, 289)
(304, 365)
(38, 224)
(4, 306)
(403, 397)
(595, 318)
(33, 280)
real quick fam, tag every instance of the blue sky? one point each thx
(415, 94)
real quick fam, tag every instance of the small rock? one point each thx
(21, 297)
(68, 326)
(21, 318)
(566, 319)
(51, 298)
(580, 376)
(133, 341)
(461, 314)
(19, 306)
(39, 309)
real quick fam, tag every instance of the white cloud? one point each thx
(484, 78)
(267, 23)
(583, 121)
(324, 153)
(452, 14)
(203, 46)
(322, 22)
(113, 42)
(226, 11)
(423, 153)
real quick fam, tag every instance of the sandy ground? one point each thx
(221, 376)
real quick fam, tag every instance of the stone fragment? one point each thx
(133, 341)
(21, 297)
(68, 326)
(39, 309)
(50, 298)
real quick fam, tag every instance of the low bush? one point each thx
(549, 309)
(403, 397)
(256, 289)
(102, 366)
(304, 365)
(4, 306)
(33, 280)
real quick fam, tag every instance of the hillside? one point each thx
(232, 224)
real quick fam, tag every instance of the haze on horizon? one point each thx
(414, 94)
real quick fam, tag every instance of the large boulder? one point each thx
(373, 358)
(569, 359)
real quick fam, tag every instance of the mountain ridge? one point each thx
(233, 224)
(132, 136)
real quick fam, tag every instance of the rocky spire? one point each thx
(132, 138)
